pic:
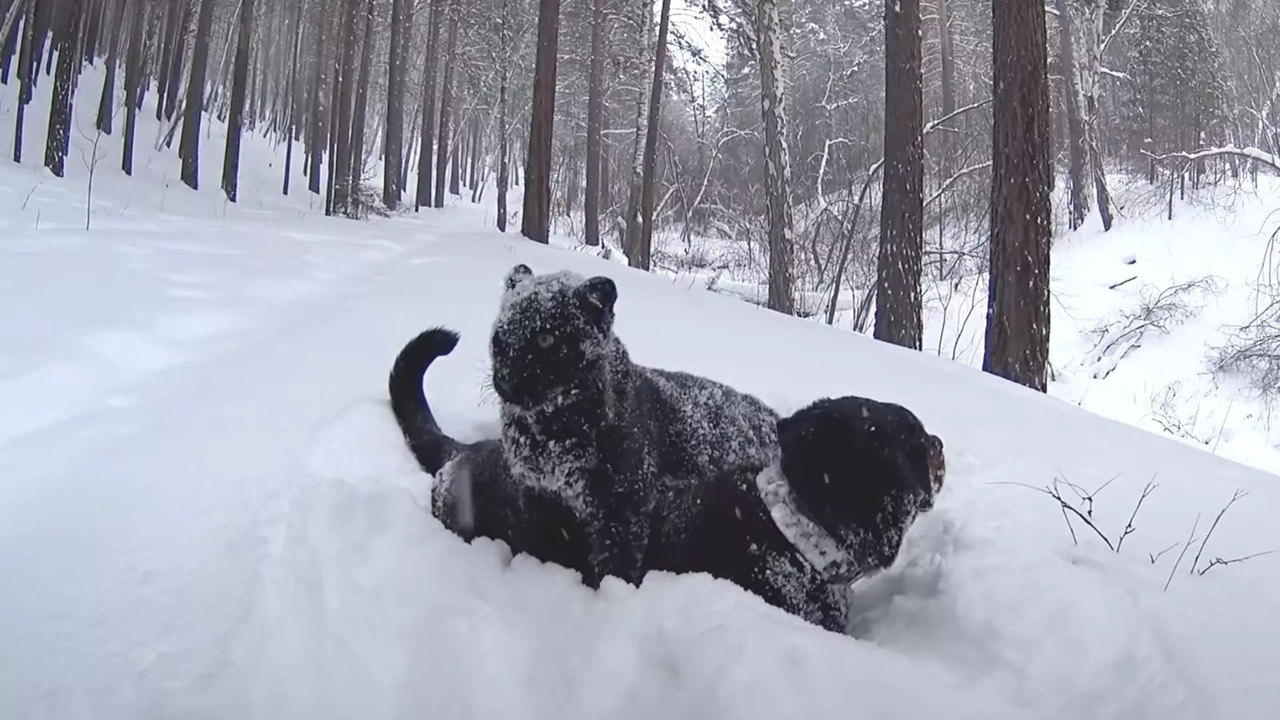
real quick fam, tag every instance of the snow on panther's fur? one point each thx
(618, 443)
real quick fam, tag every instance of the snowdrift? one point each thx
(222, 521)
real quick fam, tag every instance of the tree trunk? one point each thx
(1017, 335)
(777, 157)
(133, 82)
(394, 142)
(61, 109)
(346, 89)
(170, 29)
(898, 268)
(535, 221)
(26, 69)
(641, 254)
(473, 162)
(176, 60)
(632, 231)
(595, 113)
(1088, 77)
(504, 165)
(106, 101)
(362, 107)
(455, 162)
(426, 160)
(89, 33)
(317, 143)
(292, 119)
(235, 120)
(189, 149)
(1076, 147)
(443, 142)
(9, 36)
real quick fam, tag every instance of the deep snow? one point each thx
(207, 510)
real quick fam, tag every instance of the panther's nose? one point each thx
(502, 388)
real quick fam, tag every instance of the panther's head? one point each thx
(551, 337)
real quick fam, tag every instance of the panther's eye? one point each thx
(546, 340)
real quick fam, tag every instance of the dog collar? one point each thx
(813, 543)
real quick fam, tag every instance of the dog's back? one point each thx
(728, 532)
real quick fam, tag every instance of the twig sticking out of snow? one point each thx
(1234, 497)
(1219, 561)
(1084, 512)
(1129, 527)
(1190, 539)
(1155, 557)
(1085, 515)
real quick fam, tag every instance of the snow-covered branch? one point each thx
(946, 185)
(1124, 18)
(1113, 73)
(952, 115)
(1251, 153)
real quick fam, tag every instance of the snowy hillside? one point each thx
(207, 510)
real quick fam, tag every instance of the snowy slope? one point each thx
(206, 509)
(220, 521)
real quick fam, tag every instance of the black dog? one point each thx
(862, 470)
(795, 544)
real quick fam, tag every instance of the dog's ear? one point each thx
(517, 275)
(598, 296)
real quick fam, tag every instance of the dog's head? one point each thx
(861, 469)
(551, 335)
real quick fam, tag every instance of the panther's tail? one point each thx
(429, 445)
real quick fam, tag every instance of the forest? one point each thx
(826, 145)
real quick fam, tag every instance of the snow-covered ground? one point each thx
(207, 511)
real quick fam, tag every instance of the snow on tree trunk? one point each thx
(777, 160)
(1088, 71)
(535, 221)
(632, 231)
(1017, 333)
(1077, 148)
(899, 262)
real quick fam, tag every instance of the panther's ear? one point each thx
(517, 275)
(599, 295)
